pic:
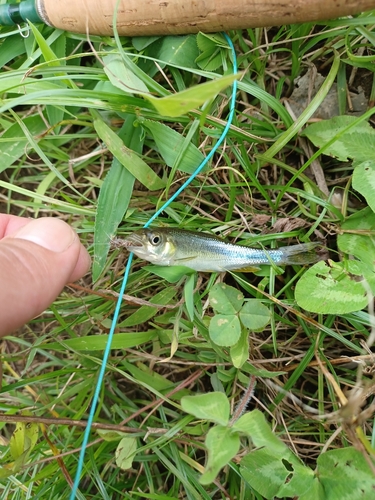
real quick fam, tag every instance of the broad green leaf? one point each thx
(315, 491)
(364, 180)
(114, 197)
(99, 342)
(254, 315)
(225, 329)
(121, 76)
(128, 158)
(169, 144)
(357, 143)
(141, 42)
(125, 452)
(182, 102)
(170, 273)
(222, 445)
(136, 70)
(346, 475)
(301, 481)
(255, 426)
(275, 477)
(239, 353)
(4, 472)
(145, 313)
(336, 287)
(357, 236)
(225, 299)
(23, 439)
(213, 406)
(11, 47)
(178, 50)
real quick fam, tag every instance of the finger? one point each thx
(36, 262)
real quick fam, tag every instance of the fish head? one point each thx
(153, 245)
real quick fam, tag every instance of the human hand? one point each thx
(38, 257)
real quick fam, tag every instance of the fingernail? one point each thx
(50, 233)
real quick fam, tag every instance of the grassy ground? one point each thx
(259, 189)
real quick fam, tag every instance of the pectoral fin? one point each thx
(183, 260)
(248, 269)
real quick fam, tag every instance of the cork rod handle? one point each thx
(165, 17)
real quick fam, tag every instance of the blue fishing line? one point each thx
(107, 350)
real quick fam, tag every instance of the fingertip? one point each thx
(83, 263)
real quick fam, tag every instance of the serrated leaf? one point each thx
(211, 47)
(169, 144)
(225, 299)
(254, 315)
(225, 329)
(222, 445)
(128, 158)
(121, 76)
(182, 102)
(358, 236)
(335, 288)
(364, 180)
(125, 452)
(213, 406)
(210, 60)
(357, 143)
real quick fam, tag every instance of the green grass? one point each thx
(57, 108)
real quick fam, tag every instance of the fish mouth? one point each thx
(131, 241)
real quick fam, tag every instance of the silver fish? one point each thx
(206, 252)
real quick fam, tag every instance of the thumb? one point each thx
(36, 262)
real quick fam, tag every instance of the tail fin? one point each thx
(304, 253)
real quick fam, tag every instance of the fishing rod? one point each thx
(168, 17)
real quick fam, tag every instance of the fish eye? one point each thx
(155, 239)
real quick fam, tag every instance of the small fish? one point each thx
(205, 252)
